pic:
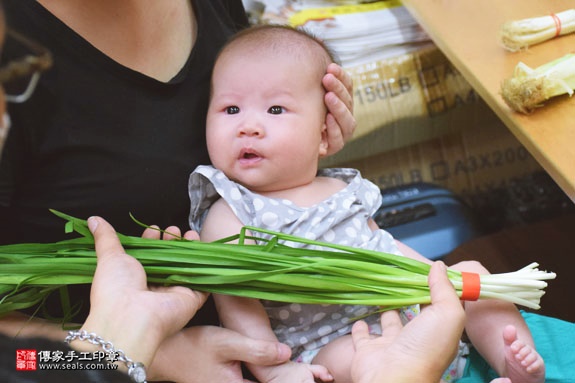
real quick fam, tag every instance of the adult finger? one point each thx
(260, 352)
(172, 232)
(339, 116)
(191, 235)
(390, 324)
(105, 238)
(197, 301)
(152, 232)
(335, 136)
(359, 332)
(212, 353)
(446, 310)
(441, 289)
(341, 83)
(179, 304)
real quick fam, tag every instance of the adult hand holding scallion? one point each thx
(125, 315)
(143, 323)
(392, 349)
(123, 310)
(392, 357)
(336, 274)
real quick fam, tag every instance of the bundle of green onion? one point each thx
(529, 88)
(271, 270)
(520, 34)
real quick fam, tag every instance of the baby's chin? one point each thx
(268, 188)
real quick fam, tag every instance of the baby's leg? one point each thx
(523, 363)
(485, 321)
(291, 372)
(337, 356)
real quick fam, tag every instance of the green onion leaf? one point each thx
(269, 269)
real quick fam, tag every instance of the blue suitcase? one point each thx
(427, 218)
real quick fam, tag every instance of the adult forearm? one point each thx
(17, 324)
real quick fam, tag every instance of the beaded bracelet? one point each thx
(136, 370)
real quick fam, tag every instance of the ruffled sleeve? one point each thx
(207, 185)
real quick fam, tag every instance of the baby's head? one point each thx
(266, 42)
(267, 111)
(303, 56)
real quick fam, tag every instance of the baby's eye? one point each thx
(276, 109)
(232, 109)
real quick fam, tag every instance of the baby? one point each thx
(266, 132)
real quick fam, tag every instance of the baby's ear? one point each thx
(323, 144)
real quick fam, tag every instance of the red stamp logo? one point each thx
(25, 360)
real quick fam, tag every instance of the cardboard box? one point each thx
(466, 161)
(419, 120)
(409, 99)
(488, 168)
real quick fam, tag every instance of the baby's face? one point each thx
(266, 120)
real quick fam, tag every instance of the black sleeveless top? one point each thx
(98, 138)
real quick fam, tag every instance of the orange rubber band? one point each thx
(557, 21)
(471, 286)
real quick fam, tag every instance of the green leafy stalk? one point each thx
(268, 269)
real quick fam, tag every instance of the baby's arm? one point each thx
(403, 248)
(244, 315)
(247, 316)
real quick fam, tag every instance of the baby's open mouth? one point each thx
(249, 155)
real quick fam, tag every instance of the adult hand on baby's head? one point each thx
(339, 100)
(418, 352)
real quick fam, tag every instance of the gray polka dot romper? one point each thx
(342, 218)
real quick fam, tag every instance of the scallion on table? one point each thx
(529, 88)
(269, 269)
(520, 34)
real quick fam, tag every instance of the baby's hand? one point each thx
(292, 372)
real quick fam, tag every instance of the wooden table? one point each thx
(466, 32)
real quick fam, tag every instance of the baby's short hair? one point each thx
(279, 38)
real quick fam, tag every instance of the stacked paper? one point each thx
(359, 33)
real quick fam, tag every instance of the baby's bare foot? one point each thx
(523, 363)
